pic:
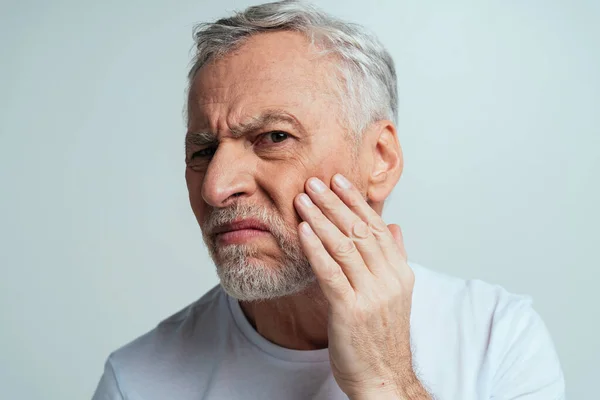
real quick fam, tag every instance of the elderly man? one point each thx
(291, 151)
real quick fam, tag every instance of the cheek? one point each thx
(281, 183)
(193, 181)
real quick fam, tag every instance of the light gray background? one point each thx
(499, 117)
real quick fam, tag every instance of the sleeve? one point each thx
(527, 365)
(108, 387)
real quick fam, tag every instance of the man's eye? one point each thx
(204, 153)
(277, 136)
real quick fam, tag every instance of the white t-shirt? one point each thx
(470, 339)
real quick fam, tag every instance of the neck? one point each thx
(297, 322)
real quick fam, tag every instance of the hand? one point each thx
(360, 264)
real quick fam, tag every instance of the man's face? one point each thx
(273, 111)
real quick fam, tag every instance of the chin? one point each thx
(251, 278)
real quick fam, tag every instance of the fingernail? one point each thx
(316, 185)
(304, 199)
(342, 182)
(306, 229)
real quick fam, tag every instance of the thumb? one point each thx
(397, 234)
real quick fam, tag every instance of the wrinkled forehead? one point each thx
(278, 70)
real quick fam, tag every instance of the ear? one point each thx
(387, 162)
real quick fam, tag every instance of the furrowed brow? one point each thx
(200, 139)
(269, 117)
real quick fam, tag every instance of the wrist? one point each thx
(389, 395)
(406, 388)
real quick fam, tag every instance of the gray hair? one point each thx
(367, 88)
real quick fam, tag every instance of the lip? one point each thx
(240, 236)
(241, 224)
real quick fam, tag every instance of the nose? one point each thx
(230, 175)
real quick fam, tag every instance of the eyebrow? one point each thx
(203, 138)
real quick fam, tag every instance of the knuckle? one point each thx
(332, 276)
(328, 207)
(360, 230)
(378, 226)
(344, 247)
(355, 201)
(363, 309)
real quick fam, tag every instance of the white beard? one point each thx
(248, 275)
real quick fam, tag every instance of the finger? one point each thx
(399, 238)
(339, 246)
(347, 222)
(331, 278)
(355, 201)
(406, 273)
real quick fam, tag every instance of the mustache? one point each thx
(284, 234)
(220, 216)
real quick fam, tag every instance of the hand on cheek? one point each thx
(361, 268)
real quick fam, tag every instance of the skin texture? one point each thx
(354, 287)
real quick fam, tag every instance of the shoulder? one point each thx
(480, 302)
(188, 331)
(496, 330)
(473, 306)
(165, 360)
